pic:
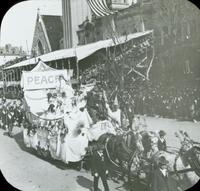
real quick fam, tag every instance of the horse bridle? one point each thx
(107, 152)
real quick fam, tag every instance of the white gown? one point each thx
(73, 147)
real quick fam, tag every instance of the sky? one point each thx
(18, 24)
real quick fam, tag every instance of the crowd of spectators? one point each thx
(156, 99)
(12, 92)
(161, 99)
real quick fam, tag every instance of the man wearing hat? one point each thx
(99, 167)
(162, 146)
(10, 120)
(4, 115)
(161, 180)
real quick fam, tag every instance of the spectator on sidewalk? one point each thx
(162, 146)
(161, 180)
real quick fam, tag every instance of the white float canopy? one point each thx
(80, 52)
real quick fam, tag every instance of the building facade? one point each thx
(177, 43)
(74, 13)
(120, 18)
(78, 19)
(48, 34)
(9, 50)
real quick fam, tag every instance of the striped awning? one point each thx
(99, 7)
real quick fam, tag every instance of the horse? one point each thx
(133, 140)
(123, 156)
(118, 155)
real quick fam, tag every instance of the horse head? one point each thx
(134, 141)
(139, 144)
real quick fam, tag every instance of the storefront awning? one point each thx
(79, 52)
(56, 55)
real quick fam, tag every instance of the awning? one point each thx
(80, 52)
(56, 55)
(86, 50)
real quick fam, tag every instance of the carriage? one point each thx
(56, 116)
(134, 167)
(48, 103)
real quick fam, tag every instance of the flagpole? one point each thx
(77, 65)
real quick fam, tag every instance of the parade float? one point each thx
(57, 123)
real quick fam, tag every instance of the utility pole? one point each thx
(27, 47)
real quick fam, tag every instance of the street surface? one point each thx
(28, 172)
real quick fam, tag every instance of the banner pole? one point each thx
(77, 66)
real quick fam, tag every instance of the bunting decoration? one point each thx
(99, 8)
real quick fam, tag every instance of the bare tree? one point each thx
(124, 64)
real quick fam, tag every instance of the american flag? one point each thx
(99, 7)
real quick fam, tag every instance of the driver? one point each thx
(99, 168)
(161, 180)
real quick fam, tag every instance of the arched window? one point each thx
(40, 48)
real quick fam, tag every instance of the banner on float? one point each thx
(45, 79)
(100, 128)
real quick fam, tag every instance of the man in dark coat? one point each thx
(161, 179)
(4, 116)
(99, 167)
(18, 113)
(10, 120)
(162, 146)
(1, 109)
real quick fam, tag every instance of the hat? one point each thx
(116, 101)
(162, 161)
(151, 134)
(162, 133)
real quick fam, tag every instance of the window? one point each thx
(40, 48)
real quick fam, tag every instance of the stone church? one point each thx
(48, 34)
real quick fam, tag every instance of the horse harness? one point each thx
(107, 152)
(106, 148)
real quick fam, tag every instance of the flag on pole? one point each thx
(99, 7)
